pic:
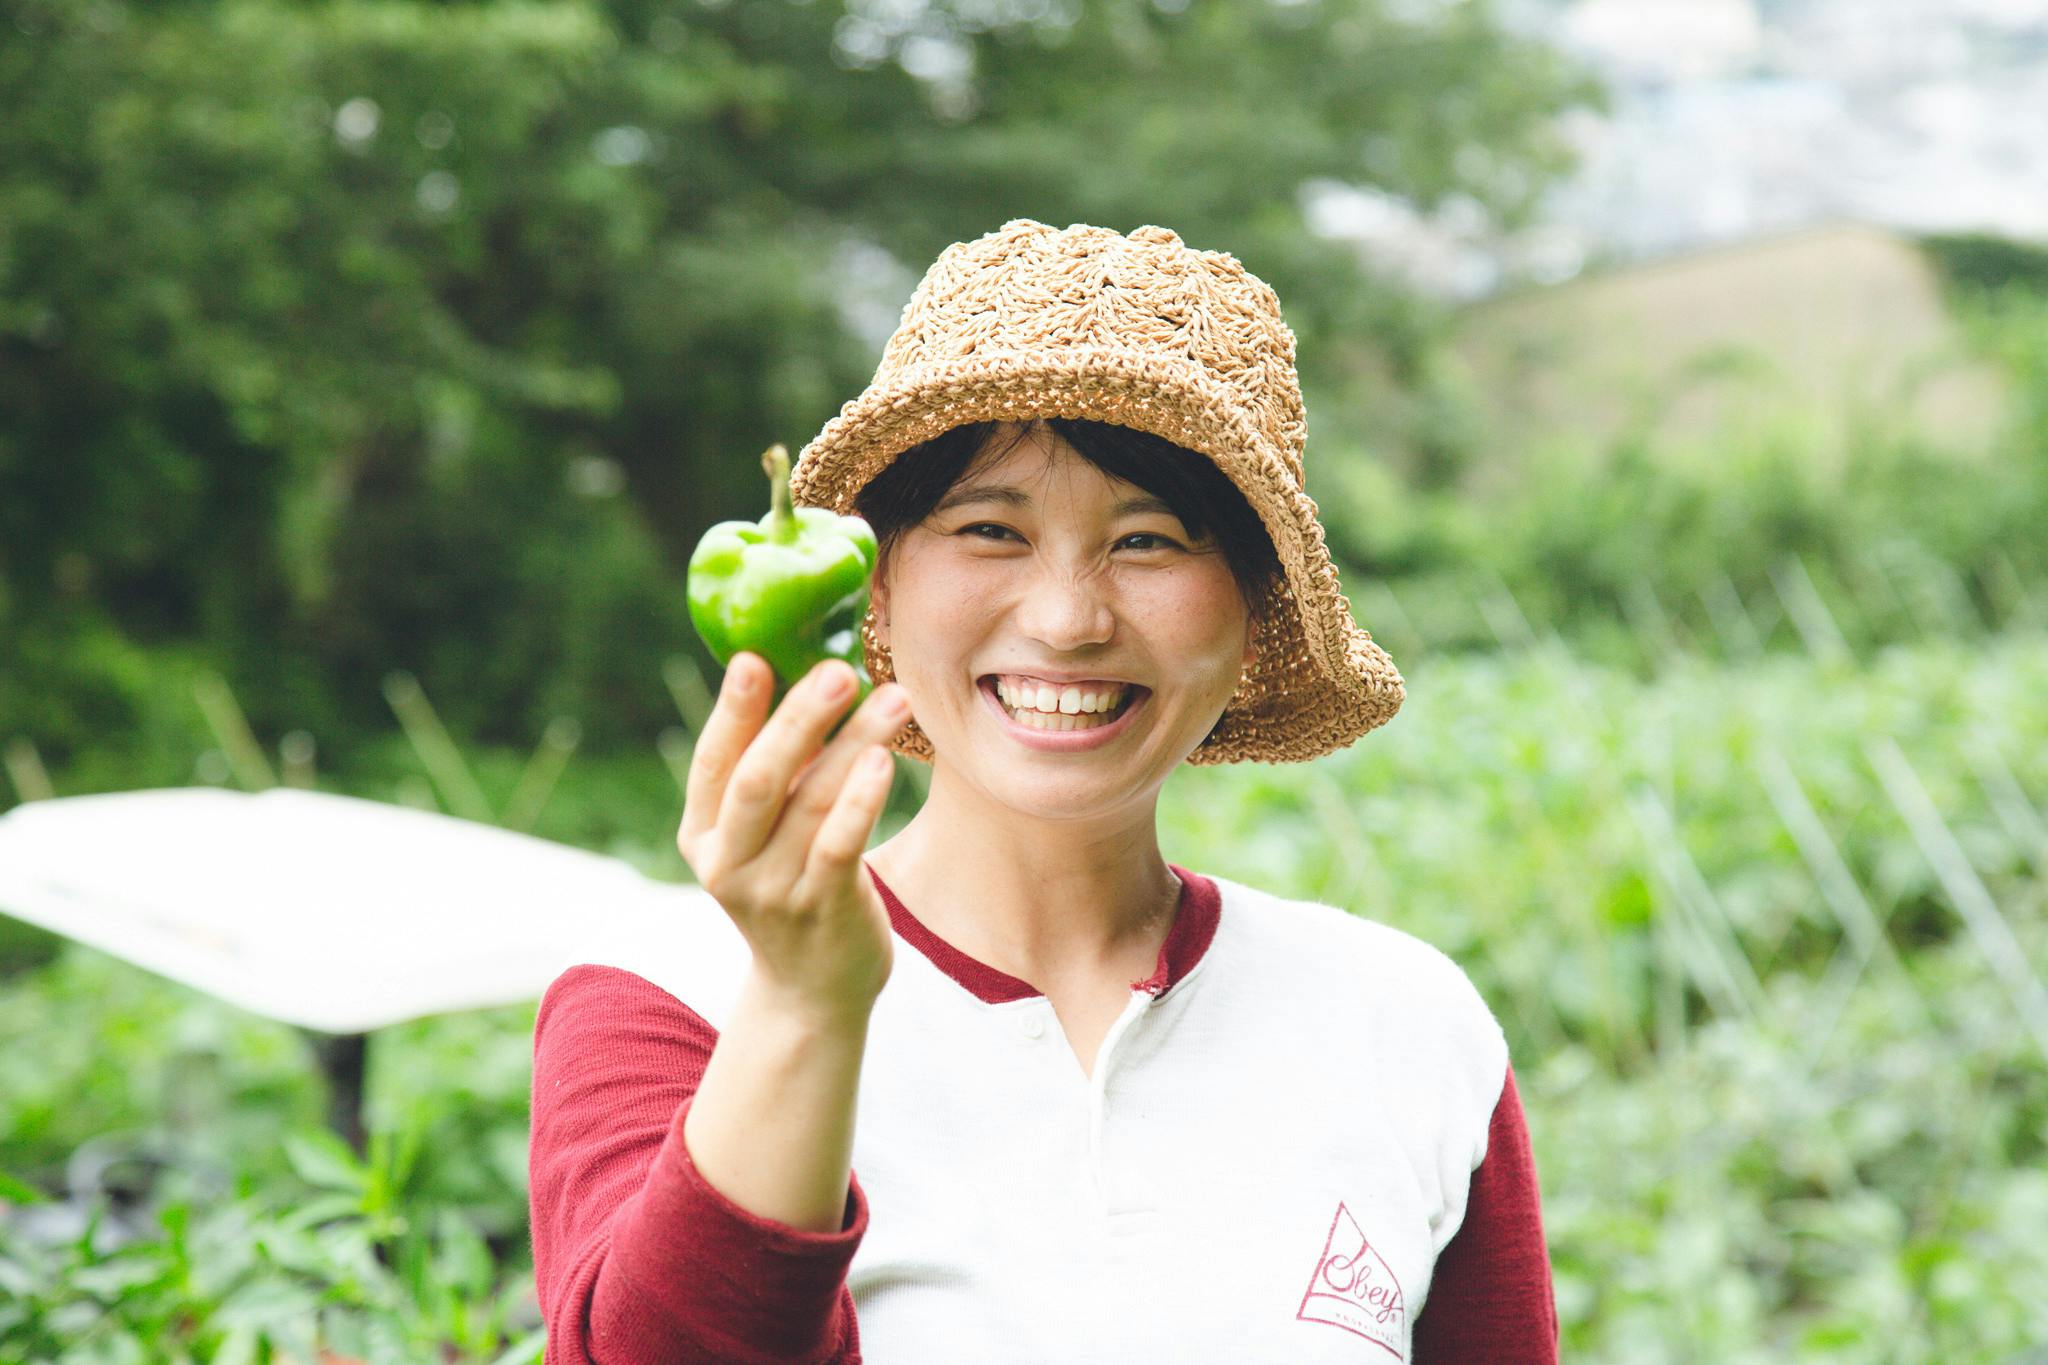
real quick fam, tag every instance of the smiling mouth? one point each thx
(1060, 721)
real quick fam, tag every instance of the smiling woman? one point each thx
(1155, 533)
(1041, 577)
(1108, 1106)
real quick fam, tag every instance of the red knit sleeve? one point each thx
(636, 1257)
(1491, 1299)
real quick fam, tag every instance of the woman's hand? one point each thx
(775, 831)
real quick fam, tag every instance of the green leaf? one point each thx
(325, 1208)
(324, 1160)
(18, 1192)
(238, 1348)
(528, 1350)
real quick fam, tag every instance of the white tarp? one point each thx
(327, 911)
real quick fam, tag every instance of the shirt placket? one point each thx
(1124, 1202)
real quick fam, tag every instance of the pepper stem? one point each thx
(782, 523)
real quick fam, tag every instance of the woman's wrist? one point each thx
(763, 997)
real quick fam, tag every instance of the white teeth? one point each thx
(1066, 709)
(1041, 720)
(1027, 694)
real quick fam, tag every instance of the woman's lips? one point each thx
(1062, 741)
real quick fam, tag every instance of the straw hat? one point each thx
(1142, 331)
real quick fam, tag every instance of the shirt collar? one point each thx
(1194, 927)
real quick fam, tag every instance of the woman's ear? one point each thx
(878, 598)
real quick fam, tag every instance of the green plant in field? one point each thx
(261, 1232)
(348, 1265)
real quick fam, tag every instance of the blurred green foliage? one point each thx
(1985, 263)
(344, 337)
(1653, 540)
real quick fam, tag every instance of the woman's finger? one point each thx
(761, 780)
(842, 836)
(816, 790)
(735, 719)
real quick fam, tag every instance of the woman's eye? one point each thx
(988, 530)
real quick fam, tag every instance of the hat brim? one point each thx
(1318, 682)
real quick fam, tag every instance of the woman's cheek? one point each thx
(1193, 595)
(939, 564)
(972, 583)
(1203, 614)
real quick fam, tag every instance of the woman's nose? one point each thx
(1067, 611)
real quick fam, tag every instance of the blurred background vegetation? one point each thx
(364, 362)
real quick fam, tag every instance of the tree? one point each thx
(349, 336)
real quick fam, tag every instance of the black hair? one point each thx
(1201, 495)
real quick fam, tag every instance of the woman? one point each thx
(1107, 1105)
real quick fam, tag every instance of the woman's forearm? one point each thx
(771, 1125)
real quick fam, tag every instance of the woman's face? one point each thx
(1040, 565)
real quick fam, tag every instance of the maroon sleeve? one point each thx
(636, 1257)
(1491, 1298)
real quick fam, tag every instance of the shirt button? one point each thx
(1032, 1025)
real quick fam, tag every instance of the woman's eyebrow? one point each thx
(1009, 495)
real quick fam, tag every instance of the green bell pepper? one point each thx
(792, 587)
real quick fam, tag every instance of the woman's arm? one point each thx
(771, 1126)
(1491, 1300)
(640, 1253)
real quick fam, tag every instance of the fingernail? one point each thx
(835, 683)
(896, 705)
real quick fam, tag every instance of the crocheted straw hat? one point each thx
(1144, 332)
